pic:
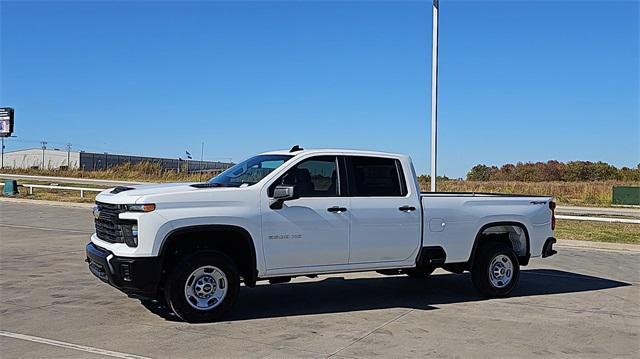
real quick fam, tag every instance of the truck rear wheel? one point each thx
(496, 270)
(203, 286)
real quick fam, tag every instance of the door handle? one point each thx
(336, 209)
(407, 208)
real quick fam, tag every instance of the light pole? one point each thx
(44, 147)
(434, 97)
(68, 156)
(201, 160)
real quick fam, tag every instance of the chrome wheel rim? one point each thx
(205, 288)
(501, 271)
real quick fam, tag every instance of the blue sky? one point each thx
(519, 81)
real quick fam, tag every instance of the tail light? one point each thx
(552, 207)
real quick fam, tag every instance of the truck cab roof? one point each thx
(342, 151)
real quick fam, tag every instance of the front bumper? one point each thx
(138, 277)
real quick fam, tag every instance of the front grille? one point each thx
(107, 224)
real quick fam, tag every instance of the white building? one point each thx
(29, 158)
(93, 161)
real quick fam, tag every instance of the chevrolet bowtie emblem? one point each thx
(96, 212)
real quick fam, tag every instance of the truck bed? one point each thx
(453, 220)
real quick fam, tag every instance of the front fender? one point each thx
(204, 223)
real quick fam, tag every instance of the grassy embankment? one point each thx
(565, 193)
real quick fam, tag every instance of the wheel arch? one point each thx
(196, 233)
(523, 257)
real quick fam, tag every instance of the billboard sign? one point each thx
(6, 121)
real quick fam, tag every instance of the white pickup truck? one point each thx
(300, 212)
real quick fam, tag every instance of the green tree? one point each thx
(479, 173)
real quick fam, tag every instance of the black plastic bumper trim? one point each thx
(134, 276)
(547, 249)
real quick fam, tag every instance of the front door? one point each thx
(312, 230)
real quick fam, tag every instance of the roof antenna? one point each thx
(296, 148)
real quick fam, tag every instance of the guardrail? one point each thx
(98, 182)
(81, 189)
(599, 219)
(69, 188)
(599, 211)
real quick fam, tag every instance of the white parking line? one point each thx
(45, 228)
(70, 346)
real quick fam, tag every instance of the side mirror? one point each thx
(281, 194)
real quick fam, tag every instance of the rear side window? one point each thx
(375, 177)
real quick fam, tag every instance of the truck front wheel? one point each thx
(203, 286)
(495, 270)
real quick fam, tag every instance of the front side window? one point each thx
(375, 177)
(313, 177)
(249, 172)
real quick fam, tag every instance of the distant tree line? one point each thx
(554, 171)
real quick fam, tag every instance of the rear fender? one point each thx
(504, 227)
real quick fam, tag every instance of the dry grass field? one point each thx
(142, 172)
(565, 193)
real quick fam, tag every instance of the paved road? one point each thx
(580, 303)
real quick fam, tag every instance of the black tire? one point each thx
(420, 272)
(182, 272)
(494, 286)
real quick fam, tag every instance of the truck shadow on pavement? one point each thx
(337, 294)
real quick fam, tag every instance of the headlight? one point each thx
(130, 233)
(134, 236)
(140, 207)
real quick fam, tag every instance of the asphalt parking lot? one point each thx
(580, 303)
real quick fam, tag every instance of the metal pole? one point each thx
(44, 147)
(68, 156)
(434, 97)
(201, 159)
(2, 161)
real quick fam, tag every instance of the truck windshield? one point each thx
(250, 171)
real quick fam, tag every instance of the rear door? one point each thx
(385, 211)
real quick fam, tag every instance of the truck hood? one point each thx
(129, 194)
